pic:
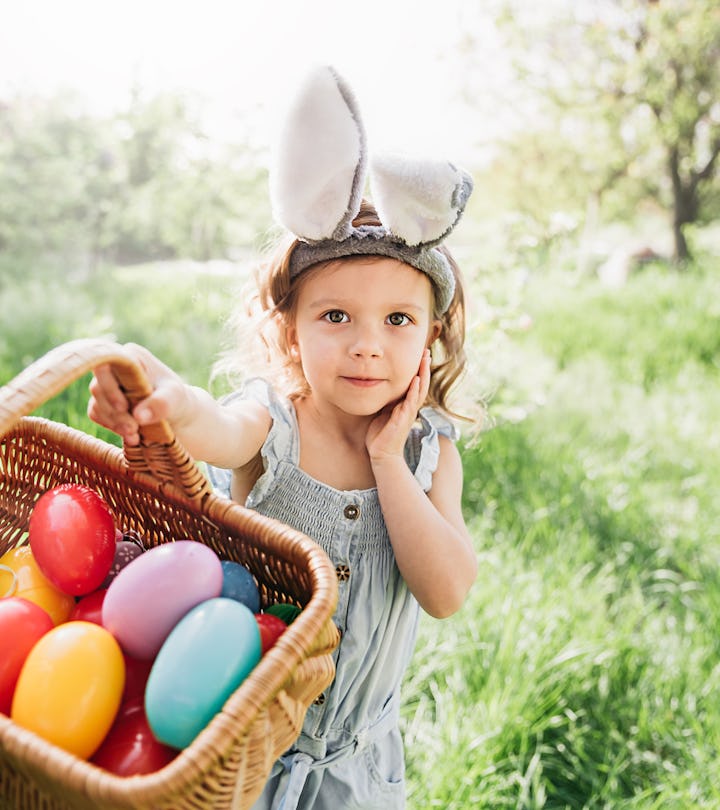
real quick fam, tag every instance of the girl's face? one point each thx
(360, 329)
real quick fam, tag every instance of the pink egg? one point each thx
(154, 591)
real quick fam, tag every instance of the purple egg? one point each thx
(125, 552)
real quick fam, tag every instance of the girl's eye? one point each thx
(335, 316)
(398, 319)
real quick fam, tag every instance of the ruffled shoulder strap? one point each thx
(282, 439)
(422, 448)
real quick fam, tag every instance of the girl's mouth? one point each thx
(362, 382)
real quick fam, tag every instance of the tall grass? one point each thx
(583, 670)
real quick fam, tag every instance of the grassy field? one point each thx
(583, 670)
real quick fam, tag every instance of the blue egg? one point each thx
(239, 584)
(207, 655)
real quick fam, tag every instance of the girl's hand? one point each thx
(389, 430)
(109, 407)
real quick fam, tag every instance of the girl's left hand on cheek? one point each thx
(389, 430)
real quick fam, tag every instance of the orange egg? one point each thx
(30, 583)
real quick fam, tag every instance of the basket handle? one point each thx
(158, 455)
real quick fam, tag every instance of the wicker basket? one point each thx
(158, 490)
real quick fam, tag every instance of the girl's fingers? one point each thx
(157, 406)
(169, 391)
(413, 399)
(108, 406)
(419, 386)
(120, 422)
(424, 375)
(105, 388)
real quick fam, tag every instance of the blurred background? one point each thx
(134, 145)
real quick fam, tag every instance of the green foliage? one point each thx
(81, 191)
(178, 311)
(622, 107)
(49, 158)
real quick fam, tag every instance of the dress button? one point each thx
(351, 511)
(342, 572)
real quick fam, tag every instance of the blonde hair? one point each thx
(260, 327)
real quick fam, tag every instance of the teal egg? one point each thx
(207, 655)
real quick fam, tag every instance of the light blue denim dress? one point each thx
(349, 755)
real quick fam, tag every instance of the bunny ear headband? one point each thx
(317, 182)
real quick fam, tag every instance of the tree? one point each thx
(183, 194)
(678, 46)
(50, 156)
(641, 82)
(78, 192)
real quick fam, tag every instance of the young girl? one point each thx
(344, 438)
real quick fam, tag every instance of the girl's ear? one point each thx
(434, 332)
(292, 344)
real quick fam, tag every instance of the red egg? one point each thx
(137, 672)
(72, 535)
(22, 624)
(271, 628)
(89, 608)
(130, 747)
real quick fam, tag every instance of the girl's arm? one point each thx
(432, 546)
(225, 436)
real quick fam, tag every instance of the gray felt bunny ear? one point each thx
(319, 174)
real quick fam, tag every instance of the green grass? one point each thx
(584, 669)
(177, 310)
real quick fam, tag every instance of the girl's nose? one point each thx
(366, 343)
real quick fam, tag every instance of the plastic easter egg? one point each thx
(8, 581)
(125, 552)
(153, 592)
(137, 671)
(30, 583)
(204, 660)
(130, 747)
(288, 613)
(22, 624)
(89, 608)
(72, 535)
(239, 584)
(271, 628)
(70, 687)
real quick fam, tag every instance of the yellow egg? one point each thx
(70, 687)
(30, 583)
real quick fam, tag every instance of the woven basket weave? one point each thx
(158, 490)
